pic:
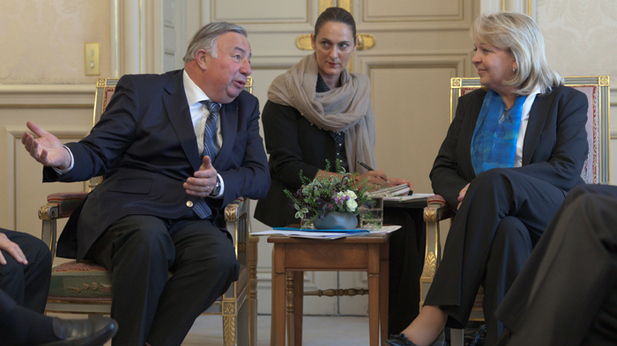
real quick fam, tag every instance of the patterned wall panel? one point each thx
(580, 35)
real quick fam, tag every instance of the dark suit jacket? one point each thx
(145, 146)
(554, 148)
(294, 146)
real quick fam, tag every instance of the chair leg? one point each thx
(457, 337)
(244, 320)
(252, 287)
(230, 330)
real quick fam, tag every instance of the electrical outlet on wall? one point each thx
(92, 61)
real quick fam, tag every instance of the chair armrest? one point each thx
(62, 204)
(237, 222)
(435, 211)
(236, 209)
(59, 205)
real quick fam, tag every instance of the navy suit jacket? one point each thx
(554, 148)
(145, 147)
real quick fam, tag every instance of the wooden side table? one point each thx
(368, 253)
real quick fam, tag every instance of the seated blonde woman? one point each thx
(513, 151)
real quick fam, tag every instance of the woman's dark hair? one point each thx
(335, 14)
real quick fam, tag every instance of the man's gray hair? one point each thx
(206, 38)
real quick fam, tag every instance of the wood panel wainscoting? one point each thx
(65, 111)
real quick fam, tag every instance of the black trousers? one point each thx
(502, 217)
(567, 293)
(25, 285)
(141, 251)
(406, 261)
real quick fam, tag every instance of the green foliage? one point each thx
(321, 195)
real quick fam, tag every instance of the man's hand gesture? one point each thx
(45, 147)
(203, 181)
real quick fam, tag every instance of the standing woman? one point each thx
(513, 151)
(318, 111)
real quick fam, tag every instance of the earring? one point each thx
(514, 69)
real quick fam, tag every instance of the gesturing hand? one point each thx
(45, 148)
(203, 181)
(12, 248)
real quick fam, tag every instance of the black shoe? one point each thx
(401, 340)
(475, 336)
(84, 332)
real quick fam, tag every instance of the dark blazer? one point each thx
(566, 294)
(145, 147)
(294, 146)
(554, 148)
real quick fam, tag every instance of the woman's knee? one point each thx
(511, 232)
(494, 186)
(494, 177)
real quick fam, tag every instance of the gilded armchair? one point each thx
(84, 287)
(595, 169)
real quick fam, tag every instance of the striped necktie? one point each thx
(211, 147)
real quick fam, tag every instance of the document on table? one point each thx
(326, 234)
(398, 190)
(385, 229)
(406, 198)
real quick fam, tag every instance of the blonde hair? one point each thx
(518, 34)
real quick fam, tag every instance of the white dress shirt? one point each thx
(518, 158)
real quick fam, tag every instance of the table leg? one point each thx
(278, 312)
(373, 296)
(298, 296)
(290, 308)
(384, 289)
(272, 306)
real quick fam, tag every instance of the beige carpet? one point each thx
(317, 331)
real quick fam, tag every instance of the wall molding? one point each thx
(455, 60)
(47, 96)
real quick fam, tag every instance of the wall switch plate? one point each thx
(92, 59)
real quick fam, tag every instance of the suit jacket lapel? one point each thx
(535, 125)
(229, 129)
(177, 110)
(468, 129)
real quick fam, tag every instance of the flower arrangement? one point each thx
(339, 193)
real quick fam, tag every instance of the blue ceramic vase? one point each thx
(336, 220)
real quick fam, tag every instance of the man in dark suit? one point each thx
(25, 271)
(170, 165)
(566, 293)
